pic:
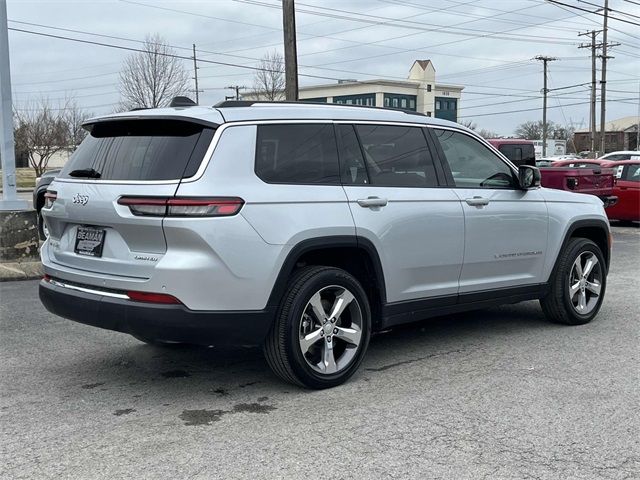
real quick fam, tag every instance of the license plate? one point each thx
(89, 241)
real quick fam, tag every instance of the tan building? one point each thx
(419, 93)
(621, 134)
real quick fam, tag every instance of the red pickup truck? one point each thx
(594, 180)
(573, 175)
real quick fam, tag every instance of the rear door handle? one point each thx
(477, 201)
(372, 202)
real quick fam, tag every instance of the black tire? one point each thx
(557, 305)
(282, 348)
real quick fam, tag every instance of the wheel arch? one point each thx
(356, 255)
(596, 230)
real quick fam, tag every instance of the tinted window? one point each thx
(618, 156)
(353, 170)
(472, 164)
(397, 156)
(142, 150)
(519, 154)
(632, 173)
(304, 153)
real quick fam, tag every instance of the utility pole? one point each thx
(603, 80)
(195, 74)
(10, 199)
(592, 110)
(545, 90)
(237, 89)
(290, 50)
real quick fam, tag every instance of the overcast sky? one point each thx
(487, 46)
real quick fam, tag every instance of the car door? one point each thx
(417, 226)
(627, 190)
(505, 227)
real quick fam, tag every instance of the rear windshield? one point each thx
(519, 154)
(141, 150)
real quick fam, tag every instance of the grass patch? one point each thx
(25, 178)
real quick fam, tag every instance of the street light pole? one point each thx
(10, 199)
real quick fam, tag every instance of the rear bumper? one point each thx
(173, 323)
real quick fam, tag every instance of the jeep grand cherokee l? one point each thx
(304, 228)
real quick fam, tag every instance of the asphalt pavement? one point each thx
(492, 394)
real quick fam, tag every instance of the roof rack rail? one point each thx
(237, 103)
(249, 103)
(182, 102)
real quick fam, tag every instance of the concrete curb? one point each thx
(11, 271)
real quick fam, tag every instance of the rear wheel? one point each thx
(322, 330)
(578, 285)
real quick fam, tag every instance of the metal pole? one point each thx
(545, 90)
(10, 199)
(592, 126)
(195, 74)
(544, 112)
(603, 81)
(290, 50)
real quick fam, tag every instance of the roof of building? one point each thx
(619, 125)
(377, 81)
(256, 111)
(423, 63)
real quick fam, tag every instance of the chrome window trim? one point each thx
(221, 129)
(93, 291)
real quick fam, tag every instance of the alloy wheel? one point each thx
(330, 330)
(585, 283)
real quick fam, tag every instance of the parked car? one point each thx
(39, 191)
(545, 162)
(582, 163)
(304, 228)
(621, 155)
(519, 151)
(627, 189)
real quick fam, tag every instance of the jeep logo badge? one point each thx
(80, 199)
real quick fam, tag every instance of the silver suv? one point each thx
(304, 228)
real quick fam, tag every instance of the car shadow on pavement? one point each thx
(183, 370)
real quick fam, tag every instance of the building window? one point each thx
(399, 100)
(428, 114)
(428, 87)
(446, 108)
(361, 99)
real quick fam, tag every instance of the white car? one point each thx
(621, 155)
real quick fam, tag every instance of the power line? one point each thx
(556, 2)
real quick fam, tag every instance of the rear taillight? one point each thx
(50, 197)
(572, 183)
(149, 297)
(182, 207)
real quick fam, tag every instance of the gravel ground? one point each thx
(494, 394)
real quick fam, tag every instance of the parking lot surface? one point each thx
(492, 394)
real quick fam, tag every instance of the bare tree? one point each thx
(483, 132)
(152, 78)
(269, 80)
(74, 117)
(532, 130)
(42, 131)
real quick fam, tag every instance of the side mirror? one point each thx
(528, 177)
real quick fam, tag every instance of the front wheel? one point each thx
(322, 329)
(578, 284)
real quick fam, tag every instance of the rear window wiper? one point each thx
(85, 173)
